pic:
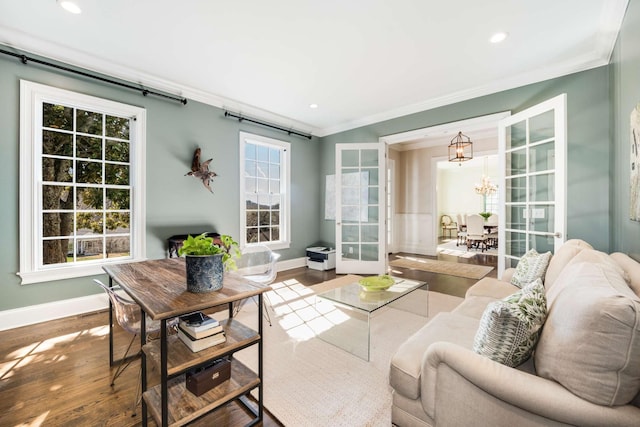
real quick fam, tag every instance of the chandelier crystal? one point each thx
(486, 187)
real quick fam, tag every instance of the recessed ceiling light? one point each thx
(70, 6)
(313, 106)
(498, 37)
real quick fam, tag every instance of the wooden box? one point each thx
(201, 380)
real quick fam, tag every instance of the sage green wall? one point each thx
(175, 204)
(589, 143)
(625, 95)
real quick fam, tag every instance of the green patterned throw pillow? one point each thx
(509, 328)
(530, 267)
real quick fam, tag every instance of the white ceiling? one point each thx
(361, 61)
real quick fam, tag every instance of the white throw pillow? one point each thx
(531, 266)
(509, 328)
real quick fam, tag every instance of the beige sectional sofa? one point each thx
(585, 369)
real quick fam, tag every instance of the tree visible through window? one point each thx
(265, 185)
(85, 185)
(83, 178)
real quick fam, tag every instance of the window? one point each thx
(81, 183)
(492, 202)
(264, 186)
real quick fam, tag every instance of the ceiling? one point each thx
(361, 61)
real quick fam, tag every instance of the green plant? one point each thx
(485, 215)
(203, 245)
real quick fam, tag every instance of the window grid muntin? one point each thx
(77, 240)
(261, 168)
(269, 204)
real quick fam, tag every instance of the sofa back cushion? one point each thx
(590, 342)
(561, 258)
(631, 268)
(588, 256)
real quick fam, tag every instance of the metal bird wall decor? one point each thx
(201, 170)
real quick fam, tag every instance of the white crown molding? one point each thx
(613, 12)
(612, 16)
(16, 39)
(582, 64)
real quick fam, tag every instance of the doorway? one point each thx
(416, 216)
(471, 188)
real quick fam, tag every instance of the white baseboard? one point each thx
(32, 314)
(24, 316)
(290, 264)
(416, 249)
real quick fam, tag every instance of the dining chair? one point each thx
(492, 230)
(462, 229)
(128, 315)
(259, 264)
(447, 225)
(475, 232)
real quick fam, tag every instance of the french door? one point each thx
(360, 208)
(532, 152)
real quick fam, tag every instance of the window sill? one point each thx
(273, 245)
(62, 273)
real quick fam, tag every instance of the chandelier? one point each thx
(459, 149)
(486, 187)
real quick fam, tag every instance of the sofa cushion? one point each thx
(631, 268)
(510, 327)
(406, 363)
(574, 269)
(530, 267)
(590, 342)
(561, 258)
(491, 287)
(478, 296)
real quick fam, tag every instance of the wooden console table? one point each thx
(159, 287)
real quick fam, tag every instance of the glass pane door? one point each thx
(360, 225)
(532, 149)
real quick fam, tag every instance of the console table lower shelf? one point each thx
(185, 407)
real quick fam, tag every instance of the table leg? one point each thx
(143, 365)
(110, 326)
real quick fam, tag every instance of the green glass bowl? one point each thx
(376, 283)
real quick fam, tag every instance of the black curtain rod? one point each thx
(269, 125)
(145, 92)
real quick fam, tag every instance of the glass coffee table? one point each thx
(351, 309)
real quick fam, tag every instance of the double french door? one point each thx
(360, 213)
(532, 149)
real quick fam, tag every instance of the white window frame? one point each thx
(32, 96)
(285, 185)
(493, 202)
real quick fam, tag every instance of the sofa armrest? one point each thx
(522, 390)
(507, 274)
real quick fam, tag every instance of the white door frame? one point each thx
(429, 135)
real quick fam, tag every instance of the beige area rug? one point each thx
(469, 271)
(309, 382)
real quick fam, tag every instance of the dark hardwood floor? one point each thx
(442, 283)
(57, 373)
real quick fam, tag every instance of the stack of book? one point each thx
(199, 331)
